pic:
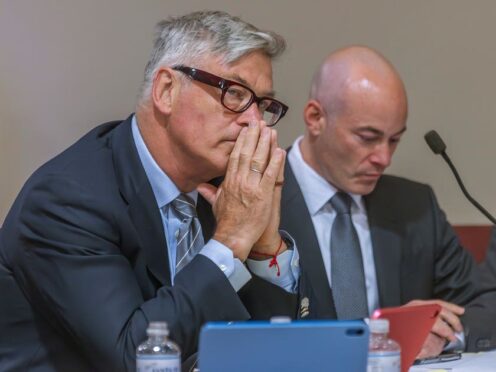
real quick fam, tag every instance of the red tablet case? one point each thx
(409, 326)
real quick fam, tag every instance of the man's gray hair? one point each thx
(189, 38)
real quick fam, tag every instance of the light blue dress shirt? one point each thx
(166, 191)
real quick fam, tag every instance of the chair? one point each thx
(475, 238)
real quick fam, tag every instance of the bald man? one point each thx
(397, 248)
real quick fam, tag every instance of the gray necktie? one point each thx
(347, 277)
(189, 237)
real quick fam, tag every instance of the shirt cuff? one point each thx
(289, 267)
(458, 344)
(237, 274)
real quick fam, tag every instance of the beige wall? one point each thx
(66, 66)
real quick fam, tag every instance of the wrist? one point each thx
(268, 248)
(256, 255)
(240, 247)
(275, 250)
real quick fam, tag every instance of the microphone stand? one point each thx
(464, 190)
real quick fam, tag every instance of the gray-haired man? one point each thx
(105, 237)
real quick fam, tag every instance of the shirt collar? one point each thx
(316, 189)
(163, 187)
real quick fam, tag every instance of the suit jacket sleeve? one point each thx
(455, 274)
(72, 269)
(458, 279)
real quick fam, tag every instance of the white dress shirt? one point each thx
(317, 192)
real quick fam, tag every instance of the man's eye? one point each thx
(236, 93)
(367, 139)
(267, 106)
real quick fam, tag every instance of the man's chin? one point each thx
(363, 187)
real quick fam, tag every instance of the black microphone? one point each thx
(438, 146)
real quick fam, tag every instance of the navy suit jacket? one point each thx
(416, 255)
(84, 266)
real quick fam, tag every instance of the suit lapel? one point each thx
(387, 244)
(142, 206)
(296, 219)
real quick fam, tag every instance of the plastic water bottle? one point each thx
(384, 353)
(158, 353)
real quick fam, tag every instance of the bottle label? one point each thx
(158, 363)
(384, 362)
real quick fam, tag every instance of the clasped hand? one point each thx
(246, 205)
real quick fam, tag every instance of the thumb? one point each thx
(208, 191)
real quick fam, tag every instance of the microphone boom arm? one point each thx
(464, 190)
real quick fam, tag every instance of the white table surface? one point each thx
(470, 362)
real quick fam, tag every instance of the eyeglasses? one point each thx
(236, 97)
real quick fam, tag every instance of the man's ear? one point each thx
(314, 116)
(164, 89)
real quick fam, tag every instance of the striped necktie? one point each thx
(189, 237)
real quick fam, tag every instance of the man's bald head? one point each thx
(350, 70)
(354, 119)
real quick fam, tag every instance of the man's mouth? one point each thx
(371, 176)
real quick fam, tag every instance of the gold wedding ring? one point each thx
(256, 170)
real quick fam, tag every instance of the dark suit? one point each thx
(84, 266)
(488, 266)
(416, 254)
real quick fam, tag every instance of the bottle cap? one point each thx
(379, 325)
(280, 319)
(157, 329)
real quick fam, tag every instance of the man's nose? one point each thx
(382, 155)
(252, 113)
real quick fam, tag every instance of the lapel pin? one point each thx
(304, 311)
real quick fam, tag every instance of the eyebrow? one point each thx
(239, 79)
(380, 132)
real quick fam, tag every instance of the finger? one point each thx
(455, 309)
(233, 163)
(445, 314)
(452, 320)
(280, 176)
(442, 329)
(273, 140)
(208, 191)
(273, 146)
(248, 148)
(276, 201)
(433, 346)
(261, 156)
(458, 310)
(272, 171)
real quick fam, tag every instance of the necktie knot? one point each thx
(341, 202)
(185, 206)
